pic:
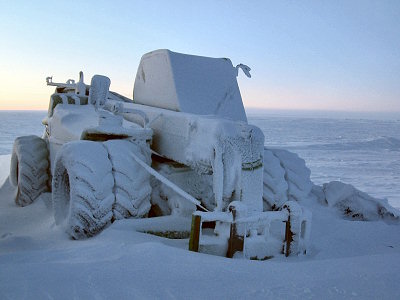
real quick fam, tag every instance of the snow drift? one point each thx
(354, 203)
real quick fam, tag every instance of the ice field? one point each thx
(364, 152)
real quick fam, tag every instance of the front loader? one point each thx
(182, 146)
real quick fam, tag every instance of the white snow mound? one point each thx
(354, 203)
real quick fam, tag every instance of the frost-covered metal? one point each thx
(188, 83)
(182, 147)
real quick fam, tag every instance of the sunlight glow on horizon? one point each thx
(324, 56)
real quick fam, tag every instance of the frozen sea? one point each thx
(363, 150)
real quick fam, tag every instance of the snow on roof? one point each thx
(189, 83)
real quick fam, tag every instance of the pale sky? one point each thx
(324, 55)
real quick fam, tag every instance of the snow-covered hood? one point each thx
(72, 122)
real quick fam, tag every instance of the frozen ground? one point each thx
(348, 259)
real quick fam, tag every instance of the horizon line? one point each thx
(258, 108)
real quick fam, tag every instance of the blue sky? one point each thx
(333, 55)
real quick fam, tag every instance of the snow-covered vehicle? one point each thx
(182, 146)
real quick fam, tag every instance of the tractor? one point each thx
(182, 146)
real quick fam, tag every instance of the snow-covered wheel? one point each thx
(82, 188)
(286, 178)
(132, 183)
(297, 175)
(274, 183)
(29, 168)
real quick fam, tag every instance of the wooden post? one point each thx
(288, 237)
(236, 241)
(195, 233)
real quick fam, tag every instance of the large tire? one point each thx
(83, 188)
(286, 178)
(29, 169)
(297, 175)
(275, 186)
(132, 183)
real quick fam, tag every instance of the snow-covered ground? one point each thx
(348, 259)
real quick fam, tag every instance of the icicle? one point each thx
(218, 177)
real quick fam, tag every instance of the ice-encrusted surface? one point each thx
(232, 151)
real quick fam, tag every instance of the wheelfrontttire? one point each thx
(274, 183)
(132, 183)
(82, 188)
(286, 178)
(29, 169)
